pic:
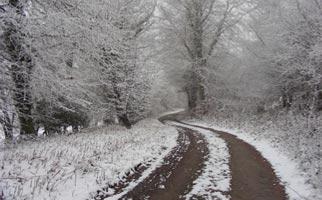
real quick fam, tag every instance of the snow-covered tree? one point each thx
(16, 66)
(65, 61)
(288, 34)
(193, 28)
(122, 83)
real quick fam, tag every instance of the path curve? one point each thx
(253, 177)
(174, 178)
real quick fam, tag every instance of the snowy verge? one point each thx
(156, 164)
(214, 181)
(294, 179)
(72, 167)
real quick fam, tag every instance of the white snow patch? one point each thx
(2, 135)
(175, 111)
(294, 180)
(41, 131)
(100, 123)
(215, 178)
(69, 129)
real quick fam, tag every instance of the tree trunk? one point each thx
(8, 125)
(21, 73)
(196, 94)
(197, 91)
(125, 121)
(22, 98)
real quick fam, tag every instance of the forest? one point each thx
(98, 96)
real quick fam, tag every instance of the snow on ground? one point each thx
(174, 111)
(71, 167)
(157, 163)
(294, 179)
(41, 131)
(2, 136)
(215, 178)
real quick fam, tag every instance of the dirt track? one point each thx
(252, 176)
(174, 178)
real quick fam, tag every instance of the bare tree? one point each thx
(198, 26)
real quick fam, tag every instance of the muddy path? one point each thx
(174, 178)
(253, 177)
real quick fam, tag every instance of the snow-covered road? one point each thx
(227, 168)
